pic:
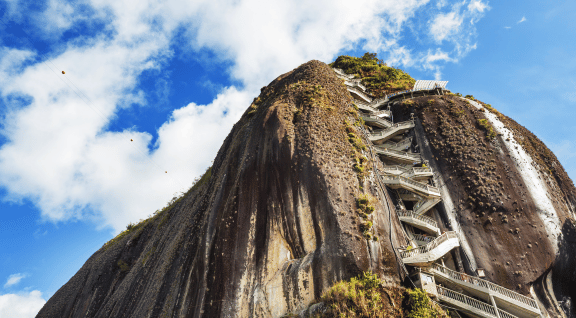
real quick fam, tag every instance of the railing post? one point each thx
(494, 304)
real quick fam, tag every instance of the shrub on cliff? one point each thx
(365, 296)
(379, 78)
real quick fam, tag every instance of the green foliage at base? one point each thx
(360, 297)
(418, 305)
(379, 78)
(365, 296)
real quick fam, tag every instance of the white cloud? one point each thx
(521, 20)
(14, 279)
(441, 4)
(59, 151)
(477, 5)
(24, 305)
(507, 27)
(444, 25)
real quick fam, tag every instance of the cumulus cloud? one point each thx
(23, 305)
(521, 20)
(445, 24)
(14, 279)
(60, 152)
(477, 6)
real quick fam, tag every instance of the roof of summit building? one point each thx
(425, 84)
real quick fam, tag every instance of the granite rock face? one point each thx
(509, 196)
(277, 219)
(273, 227)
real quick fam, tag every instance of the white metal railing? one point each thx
(383, 112)
(379, 101)
(386, 122)
(411, 214)
(394, 169)
(360, 93)
(422, 170)
(341, 73)
(415, 184)
(355, 82)
(362, 104)
(405, 253)
(504, 314)
(469, 301)
(404, 143)
(423, 238)
(400, 125)
(486, 284)
(397, 153)
(423, 206)
(415, 171)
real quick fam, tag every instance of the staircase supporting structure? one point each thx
(406, 195)
(399, 156)
(425, 205)
(401, 145)
(411, 185)
(504, 298)
(424, 223)
(422, 189)
(471, 306)
(426, 254)
(376, 121)
(381, 136)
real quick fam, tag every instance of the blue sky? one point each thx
(174, 76)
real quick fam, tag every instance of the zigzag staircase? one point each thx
(413, 189)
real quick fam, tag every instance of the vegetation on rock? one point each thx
(365, 296)
(379, 78)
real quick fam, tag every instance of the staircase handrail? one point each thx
(421, 169)
(408, 155)
(384, 120)
(355, 82)
(394, 126)
(423, 218)
(423, 238)
(341, 73)
(486, 284)
(405, 253)
(384, 111)
(416, 184)
(360, 92)
(504, 314)
(395, 144)
(482, 306)
(396, 168)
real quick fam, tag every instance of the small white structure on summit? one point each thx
(429, 85)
